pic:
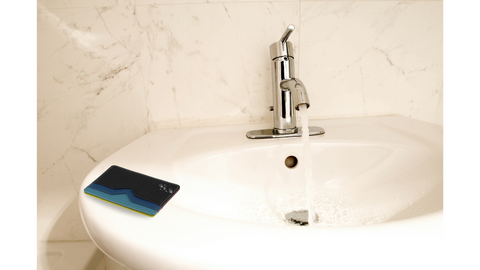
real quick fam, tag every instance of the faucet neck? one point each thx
(284, 115)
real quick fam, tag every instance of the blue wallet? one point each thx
(132, 190)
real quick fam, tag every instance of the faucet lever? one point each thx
(287, 33)
(283, 48)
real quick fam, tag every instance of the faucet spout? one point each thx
(299, 92)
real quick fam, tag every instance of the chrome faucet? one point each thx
(288, 93)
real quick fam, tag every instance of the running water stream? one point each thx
(308, 163)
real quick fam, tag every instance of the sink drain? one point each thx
(299, 217)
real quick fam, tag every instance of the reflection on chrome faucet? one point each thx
(288, 93)
(299, 93)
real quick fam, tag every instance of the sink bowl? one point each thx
(374, 177)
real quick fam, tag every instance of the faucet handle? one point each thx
(287, 33)
(283, 48)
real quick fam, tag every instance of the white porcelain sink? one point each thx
(374, 176)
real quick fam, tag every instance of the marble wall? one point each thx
(110, 71)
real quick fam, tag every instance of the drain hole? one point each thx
(299, 217)
(291, 162)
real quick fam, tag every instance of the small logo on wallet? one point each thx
(165, 188)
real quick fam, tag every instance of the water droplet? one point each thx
(170, 190)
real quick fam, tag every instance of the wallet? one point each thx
(135, 191)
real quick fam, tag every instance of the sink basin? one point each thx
(374, 176)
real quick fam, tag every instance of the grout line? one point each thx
(299, 36)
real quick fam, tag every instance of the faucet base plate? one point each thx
(269, 133)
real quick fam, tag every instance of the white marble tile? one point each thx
(371, 0)
(91, 102)
(367, 58)
(54, 4)
(169, 2)
(210, 66)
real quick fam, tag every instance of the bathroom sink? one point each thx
(374, 177)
